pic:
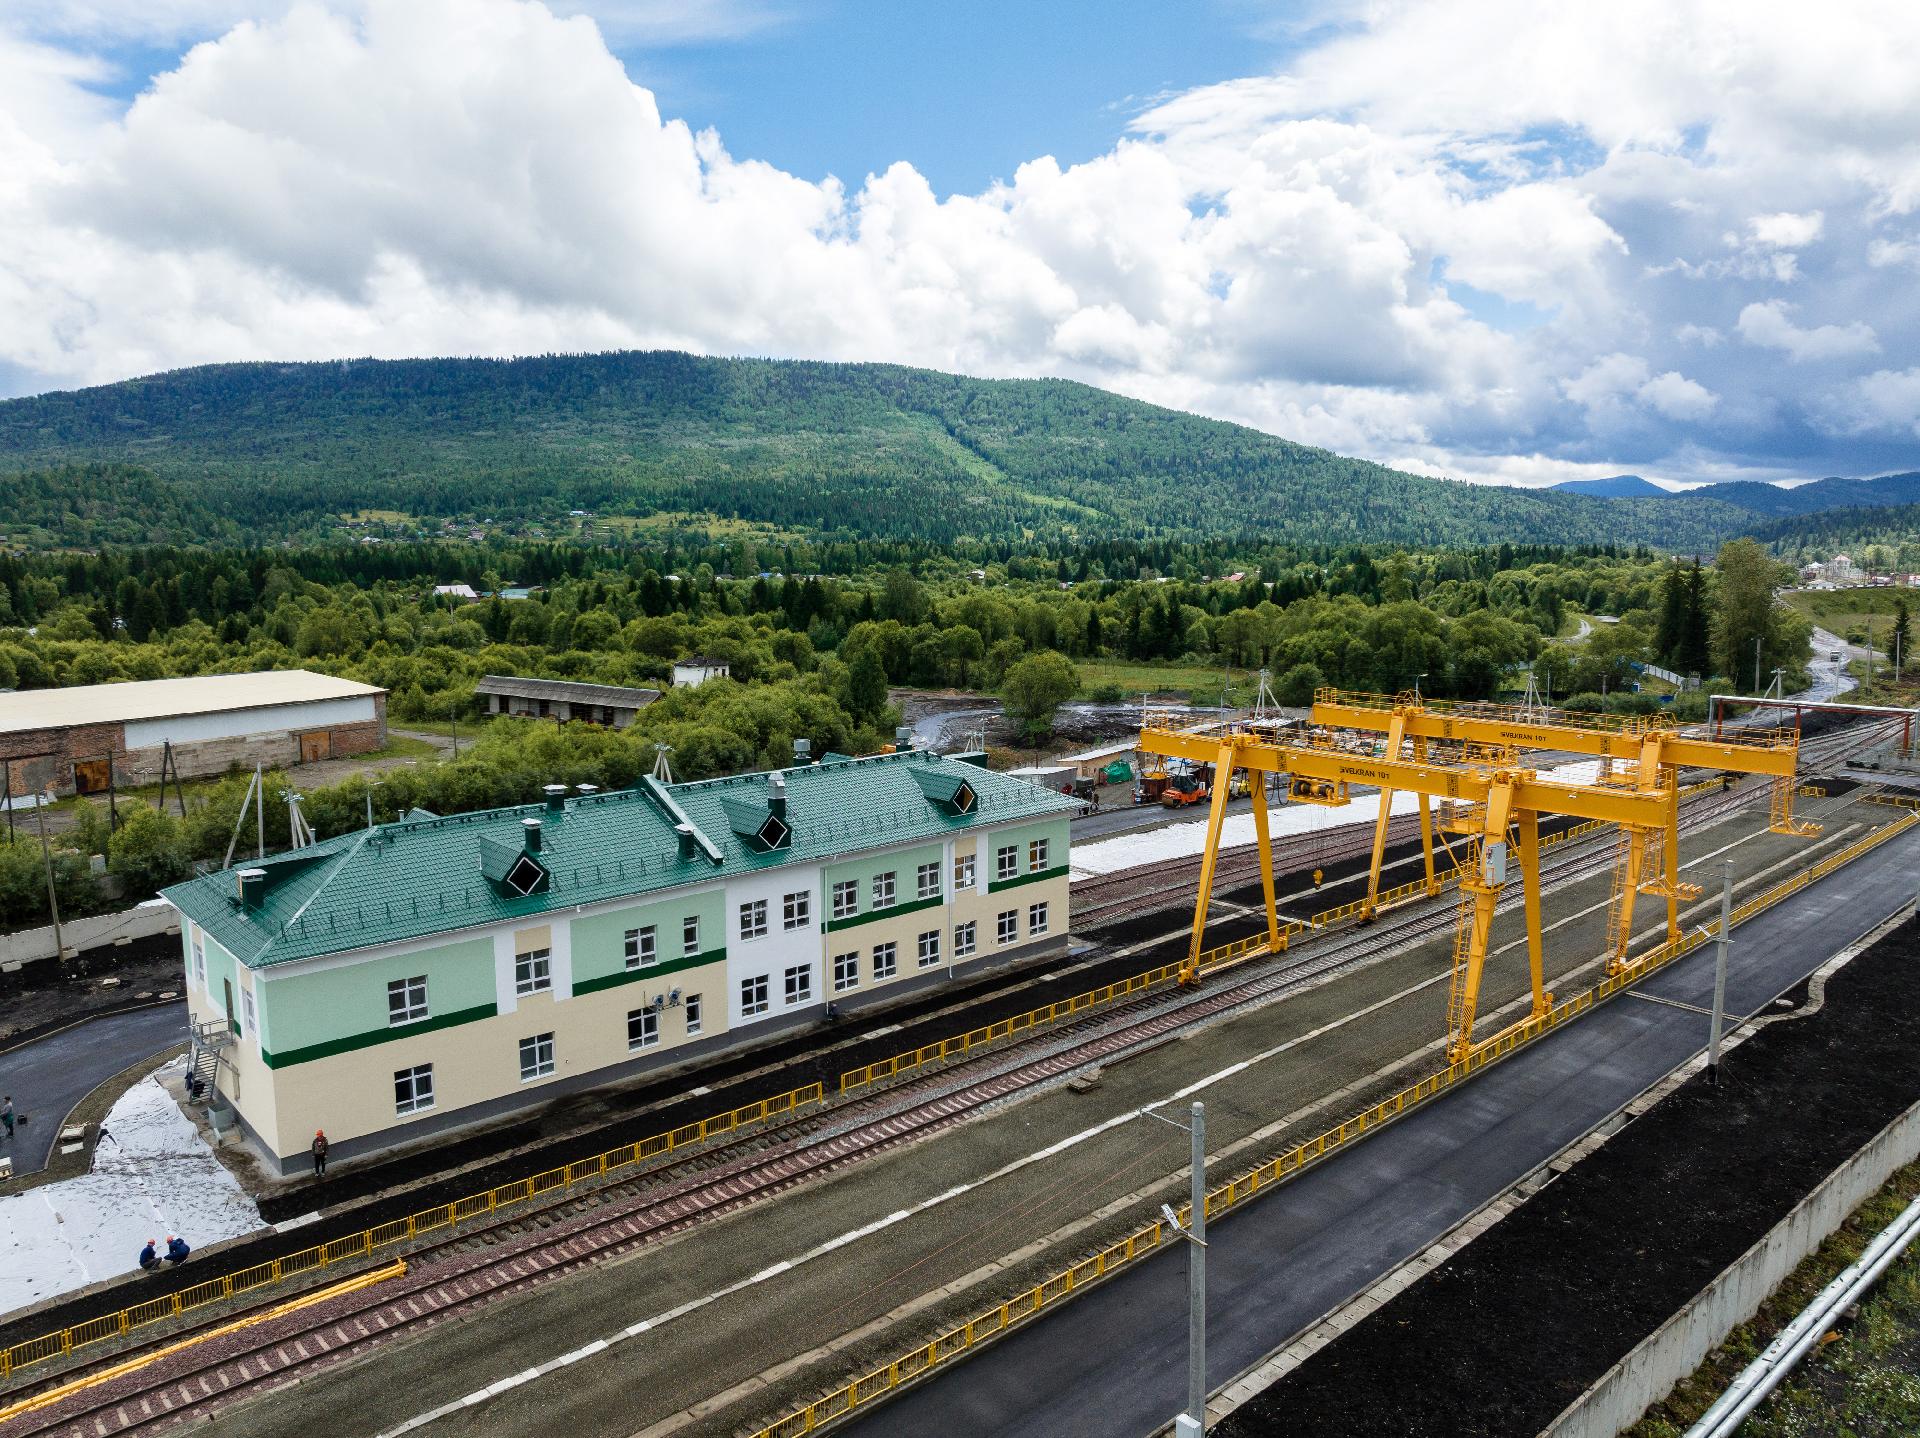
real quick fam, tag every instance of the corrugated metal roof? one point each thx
(168, 698)
(572, 692)
(418, 878)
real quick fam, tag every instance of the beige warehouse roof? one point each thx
(168, 698)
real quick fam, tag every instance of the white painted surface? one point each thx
(240, 723)
(146, 699)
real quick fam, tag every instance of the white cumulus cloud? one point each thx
(1770, 326)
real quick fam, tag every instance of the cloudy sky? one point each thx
(1488, 238)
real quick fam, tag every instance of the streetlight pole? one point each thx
(1720, 971)
(1416, 685)
(1193, 1422)
(1756, 662)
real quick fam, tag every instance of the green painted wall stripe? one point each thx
(651, 971)
(892, 911)
(350, 1042)
(1058, 871)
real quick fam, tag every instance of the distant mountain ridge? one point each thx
(1614, 486)
(262, 451)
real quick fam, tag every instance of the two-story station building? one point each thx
(420, 975)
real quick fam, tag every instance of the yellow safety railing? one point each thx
(984, 1327)
(446, 1216)
(1898, 801)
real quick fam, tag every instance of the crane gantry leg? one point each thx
(1396, 730)
(1529, 826)
(1257, 792)
(1480, 890)
(1426, 821)
(1209, 856)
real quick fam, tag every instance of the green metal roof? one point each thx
(424, 876)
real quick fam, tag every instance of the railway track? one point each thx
(491, 1261)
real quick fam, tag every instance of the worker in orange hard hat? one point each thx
(319, 1153)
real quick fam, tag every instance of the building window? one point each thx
(532, 972)
(753, 996)
(1006, 862)
(846, 971)
(962, 871)
(643, 1029)
(927, 882)
(248, 1023)
(1037, 855)
(641, 950)
(413, 1089)
(407, 1000)
(963, 939)
(536, 1057)
(200, 955)
(883, 890)
(694, 1018)
(846, 898)
(796, 910)
(1007, 926)
(799, 984)
(1036, 919)
(929, 948)
(690, 937)
(886, 960)
(753, 919)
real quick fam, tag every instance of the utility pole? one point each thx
(1756, 662)
(1720, 970)
(1193, 1422)
(454, 712)
(53, 900)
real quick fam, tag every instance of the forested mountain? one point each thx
(265, 451)
(1884, 537)
(1614, 486)
(1822, 494)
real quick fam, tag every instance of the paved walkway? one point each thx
(1114, 1362)
(48, 1076)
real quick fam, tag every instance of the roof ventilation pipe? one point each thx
(253, 887)
(586, 790)
(556, 798)
(532, 828)
(777, 796)
(684, 832)
(802, 752)
(902, 739)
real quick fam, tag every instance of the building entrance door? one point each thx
(92, 776)
(316, 745)
(232, 1022)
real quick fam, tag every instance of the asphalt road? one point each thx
(48, 1076)
(1114, 1362)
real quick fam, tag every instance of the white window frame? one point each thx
(753, 996)
(542, 1065)
(249, 1018)
(696, 1014)
(412, 1008)
(1037, 919)
(1006, 861)
(929, 948)
(796, 910)
(690, 936)
(883, 889)
(200, 955)
(641, 947)
(962, 872)
(886, 960)
(927, 881)
(419, 1084)
(649, 1034)
(964, 937)
(1006, 926)
(846, 971)
(799, 984)
(753, 919)
(533, 972)
(846, 898)
(1036, 855)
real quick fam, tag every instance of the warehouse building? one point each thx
(410, 978)
(90, 738)
(563, 699)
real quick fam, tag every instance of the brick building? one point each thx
(90, 737)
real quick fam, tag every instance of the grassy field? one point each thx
(1846, 611)
(1201, 682)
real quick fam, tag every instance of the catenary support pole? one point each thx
(1720, 971)
(53, 900)
(1197, 1278)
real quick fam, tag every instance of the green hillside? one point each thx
(278, 450)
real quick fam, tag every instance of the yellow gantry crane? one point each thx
(1471, 763)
